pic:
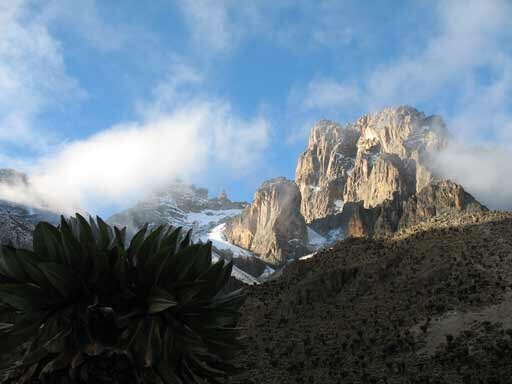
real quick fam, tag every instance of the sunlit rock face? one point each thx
(372, 177)
(272, 226)
(324, 168)
(369, 161)
(392, 155)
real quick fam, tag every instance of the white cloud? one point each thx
(219, 26)
(328, 93)
(181, 132)
(130, 160)
(181, 83)
(470, 36)
(32, 73)
(483, 170)
(210, 23)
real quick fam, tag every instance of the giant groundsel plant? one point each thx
(85, 294)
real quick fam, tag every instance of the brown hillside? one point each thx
(432, 304)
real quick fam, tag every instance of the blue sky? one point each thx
(103, 101)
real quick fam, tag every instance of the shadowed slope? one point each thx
(365, 310)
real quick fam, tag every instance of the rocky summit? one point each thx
(369, 178)
(272, 225)
(324, 168)
(180, 205)
(370, 160)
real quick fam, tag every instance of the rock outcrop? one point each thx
(272, 226)
(369, 178)
(437, 199)
(378, 157)
(323, 169)
(392, 154)
(443, 198)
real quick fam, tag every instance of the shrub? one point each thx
(82, 296)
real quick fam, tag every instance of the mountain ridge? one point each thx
(371, 177)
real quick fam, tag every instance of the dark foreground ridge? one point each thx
(432, 304)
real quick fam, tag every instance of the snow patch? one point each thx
(338, 205)
(335, 235)
(371, 157)
(315, 240)
(211, 216)
(266, 273)
(219, 241)
(307, 257)
(244, 277)
(237, 273)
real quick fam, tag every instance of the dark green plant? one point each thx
(82, 294)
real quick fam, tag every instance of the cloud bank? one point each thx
(132, 159)
(485, 171)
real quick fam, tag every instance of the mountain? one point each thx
(272, 225)
(17, 221)
(369, 178)
(180, 205)
(429, 304)
(324, 168)
(188, 206)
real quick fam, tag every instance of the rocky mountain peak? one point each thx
(324, 131)
(401, 130)
(13, 177)
(392, 154)
(324, 167)
(272, 225)
(179, 205)
(223, 196)
(368, 161)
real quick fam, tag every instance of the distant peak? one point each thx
(12, 176)
(223, 195)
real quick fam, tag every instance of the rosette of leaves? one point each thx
(84, 294)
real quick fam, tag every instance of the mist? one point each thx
(484, 171)
(128, 161)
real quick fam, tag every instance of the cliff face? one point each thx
(443, 198)
(392, 155)
(272, 226)
(437, 199)
(369, 161)
(323, 169)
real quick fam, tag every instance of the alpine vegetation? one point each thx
(87, 306)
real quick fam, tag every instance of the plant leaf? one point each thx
(160, 301)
